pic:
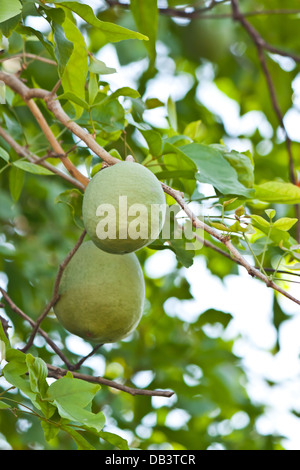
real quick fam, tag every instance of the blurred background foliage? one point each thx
(210, 408)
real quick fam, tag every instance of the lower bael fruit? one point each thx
(101, 295)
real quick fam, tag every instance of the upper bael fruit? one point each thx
(124, 208)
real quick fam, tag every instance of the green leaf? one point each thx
(114, 439)
(16, 182)
(38, 372)
(172, 114)
(73, 198)
(28, 31)
(215, 169)
(124, 91)
(64, 47)
(278, 192)
(107, 32)
(32, 168)
(145, 14)
(213, 316)
(285, 223)
(4, 155)
(50, 430)
(69, 96)
(194, 130)
(242, 165)
(260, 221)
(9, 9)
(4, 406)
(14, 371)
(75, 72)
(93, 88)
(99, 67)
(71, 397)
(154, 141)
(82, 443)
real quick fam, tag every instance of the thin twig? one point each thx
(260, 46)
(58, 372)
(23, 152)
(55, 295)
(22, 314)
(235, 254)
(30, 56)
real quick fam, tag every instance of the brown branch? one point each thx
(58, 372)
(23, 152)
(55, 295)
(200, 13)
(30, 56)
(22, 314)
(19, 87)
(55, 107)
(225, 240)
(261, 44)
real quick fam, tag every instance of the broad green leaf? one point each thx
(285, 223)
(4, 155)
(4, 339)
(107, 32)
(82, 443)
(14, 372)
(213, 316)
(2, 350)
(123, 91)
(93, 88)
(38, 372)
(69, 96)
(99, 67)
(2, 92)
(215, 170)
(9, 9)
(28, 31)
(145, 14)
(114, 439)
(73, 198)
(270, 213)
(260, 221)
(194, 130)
(72, 396)
(242, 165)
(64, 47)
(75, 72)
(32, 168)
(172, 113)
(278, 192)
(16, 182)
(50, 430)
(3, 405)
(154, 141)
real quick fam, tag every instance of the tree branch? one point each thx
(235, 254)
(19, 87)
(58, 372)
(23, 152)
(22, 314)
(260, 46)
(55, 295)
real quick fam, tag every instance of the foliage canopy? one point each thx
(66, 109)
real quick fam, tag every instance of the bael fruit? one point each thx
(101, 295)
(123, 208)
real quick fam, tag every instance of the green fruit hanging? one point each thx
(101, 295)
(124, 208)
